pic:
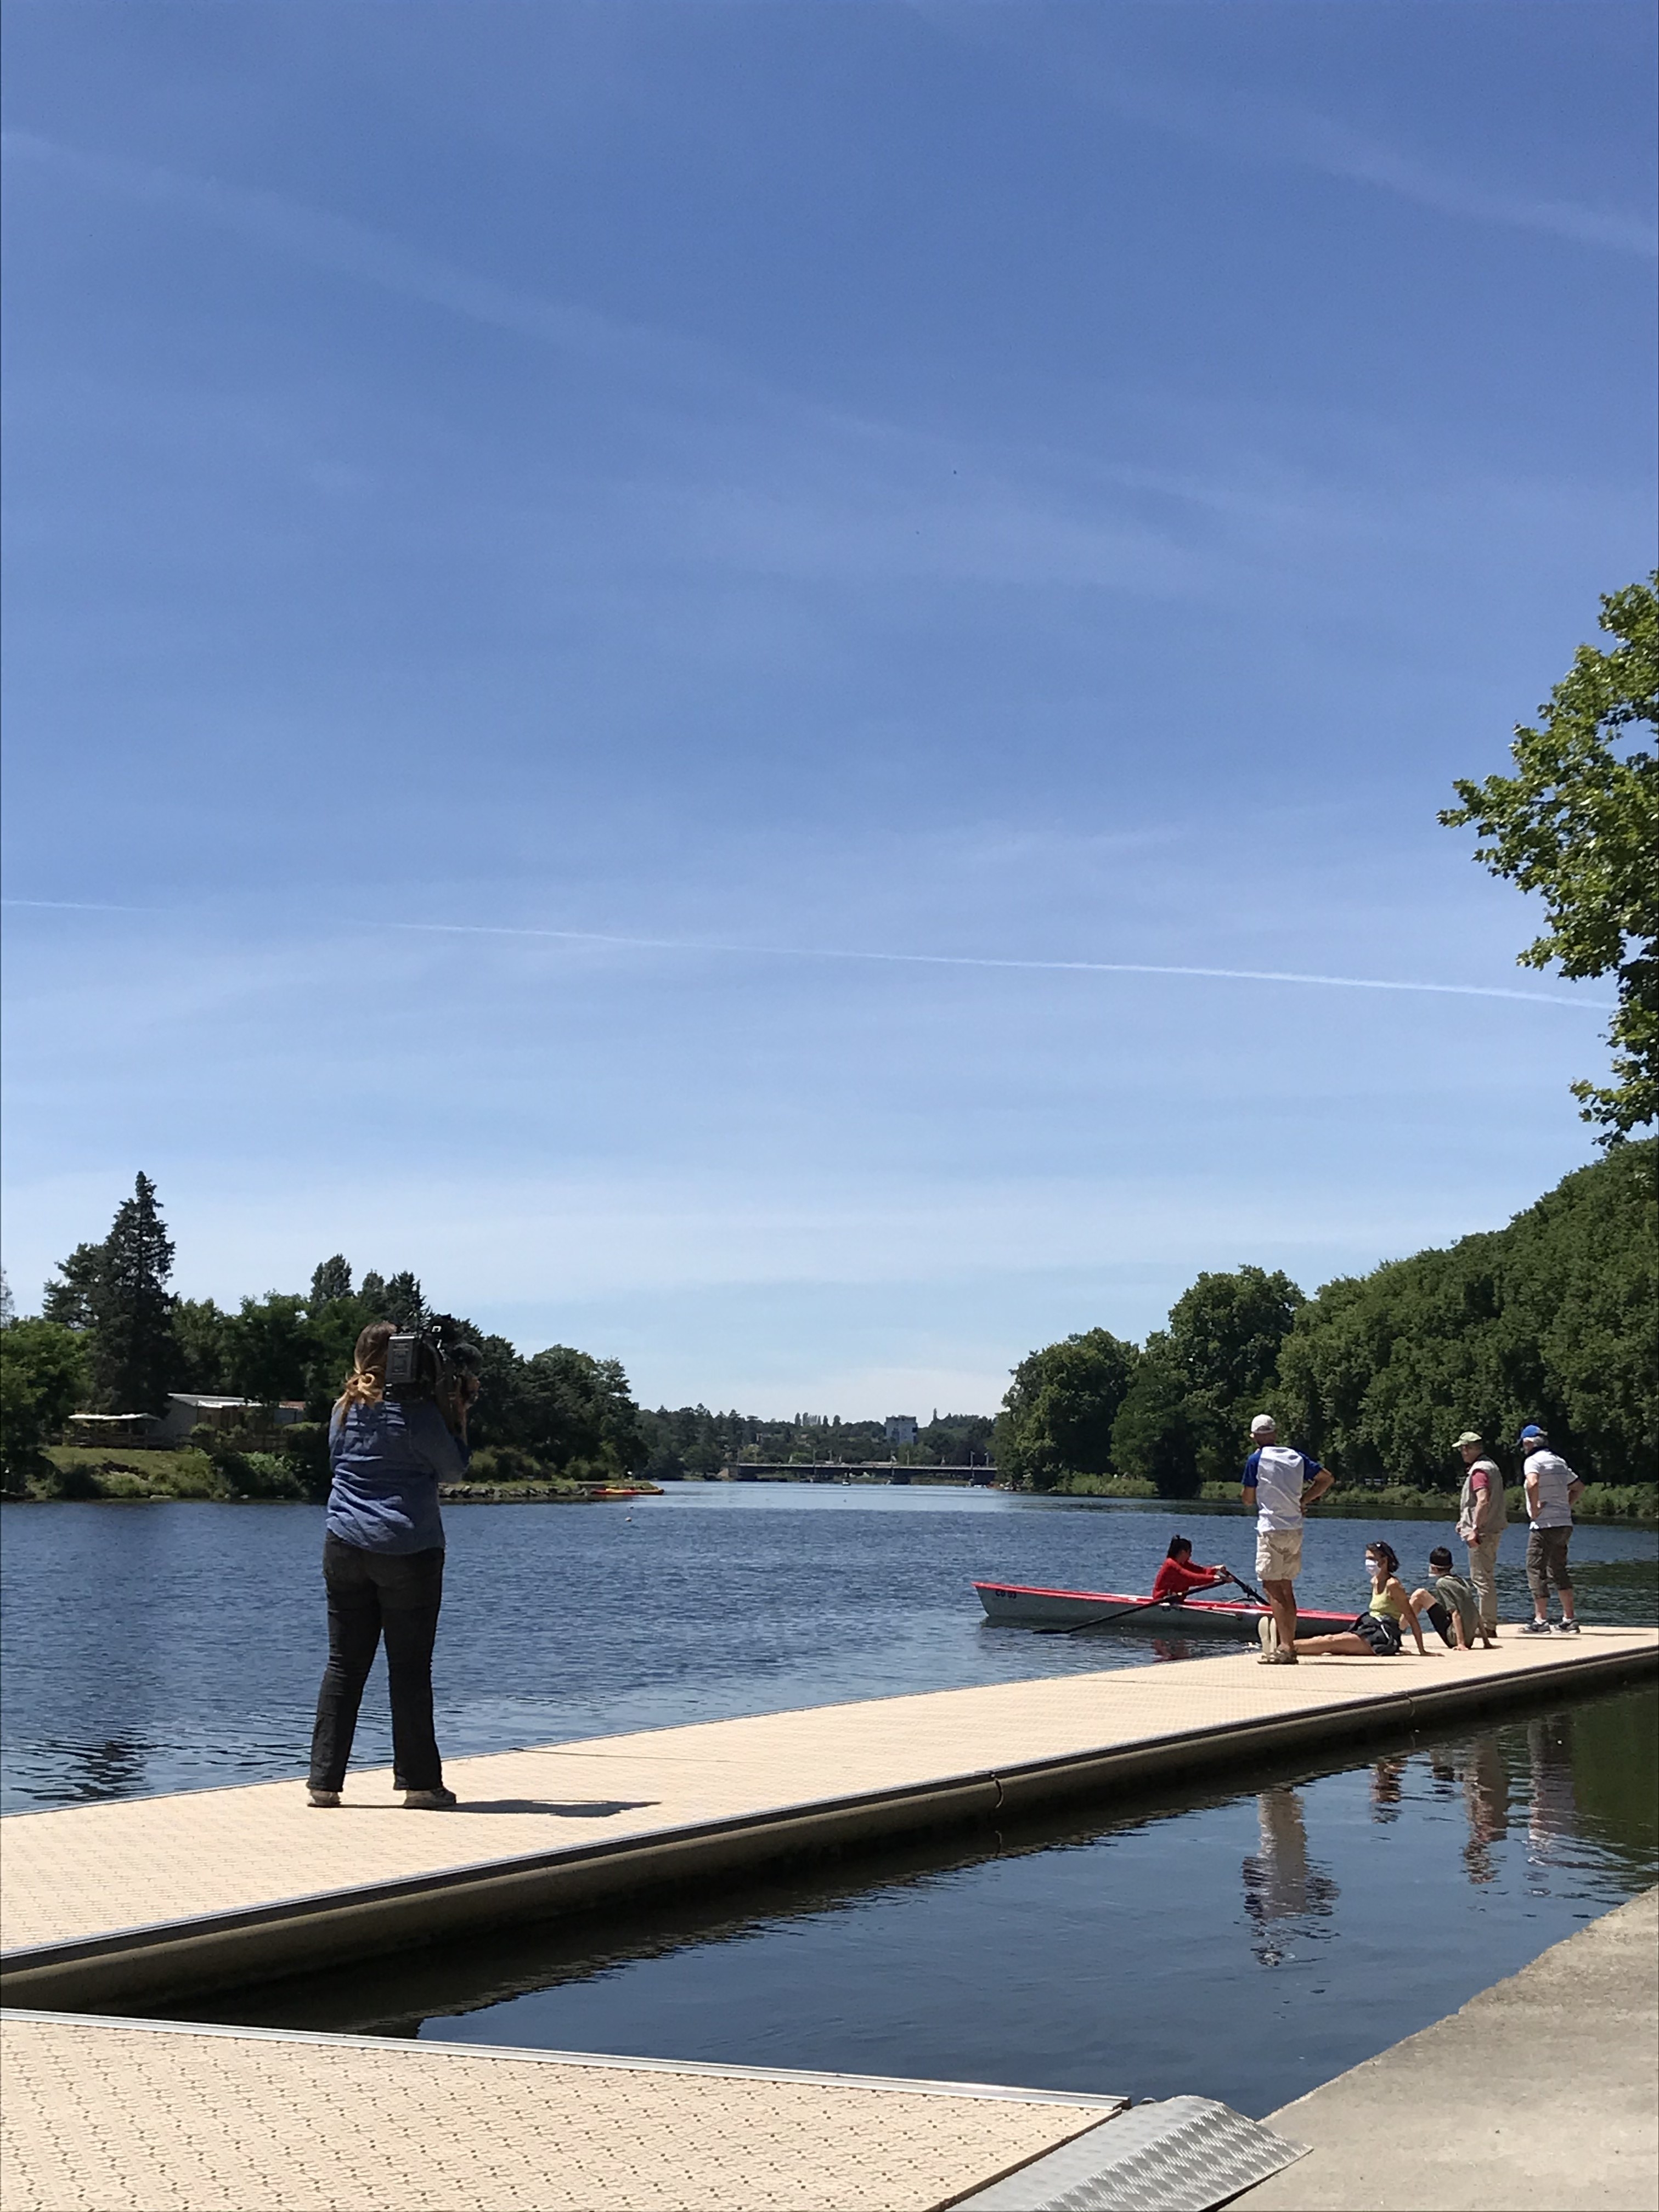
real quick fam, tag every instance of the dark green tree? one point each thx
(198, 1330)
(135, 1356)
(578, 1414)
(1579, 823)
(269, 1348)
(70, 1298)
(1223, 1343)
(115, 1294)
(1155, 1437)
(331, 1279)
(43, 1378)
(396, 1298)
(1555, 1319)
(1058, 1413)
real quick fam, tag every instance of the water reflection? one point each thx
(1486, 1805)
(94, 1771)
(1551, 1809)
(1284, 1892)
(1388, 1787)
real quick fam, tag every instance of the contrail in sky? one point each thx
(979, 960)
(929, 959)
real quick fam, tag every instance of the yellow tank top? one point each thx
(1385, 1606)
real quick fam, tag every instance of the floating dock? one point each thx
(117, 2116)
(1566, 2119)
(110, 1907)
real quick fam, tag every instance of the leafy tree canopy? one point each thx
(1223, 1343)
(43, 1378)
(1579, 823)
(1550, 1319)
(1156, 1433)
(331, 1279)
(1058, 1414)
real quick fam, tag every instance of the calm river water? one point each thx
(154, 1647)
(1244, 1944)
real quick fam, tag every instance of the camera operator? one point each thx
(391, 1443)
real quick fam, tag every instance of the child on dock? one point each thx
(1374, 1633)
(1453, 1605)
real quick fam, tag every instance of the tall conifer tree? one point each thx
(115, 1293)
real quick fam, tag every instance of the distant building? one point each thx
(189, 1409)
(900, 1428)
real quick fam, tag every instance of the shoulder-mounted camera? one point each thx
(420, 1367)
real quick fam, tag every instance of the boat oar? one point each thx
(1109, 1620)
(1248, 1592)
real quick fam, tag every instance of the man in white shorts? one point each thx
(1280, 1484)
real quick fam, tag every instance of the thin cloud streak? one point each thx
(340, 246)
(976, 960)
(80, 906)
(1286, 135)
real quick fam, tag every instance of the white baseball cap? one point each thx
(1262, 1421)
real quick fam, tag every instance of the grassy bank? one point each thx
(68, 1471)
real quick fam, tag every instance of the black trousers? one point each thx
(371, 1594)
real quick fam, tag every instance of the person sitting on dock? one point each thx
(1280, 1483)
(1177, 1577)
(1452, 1604)
(1375, 1632)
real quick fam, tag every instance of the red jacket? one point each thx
(1175, 1580)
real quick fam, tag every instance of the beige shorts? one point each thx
(1278, 1554)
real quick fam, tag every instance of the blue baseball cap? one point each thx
(1532, 1434)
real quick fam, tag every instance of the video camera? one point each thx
(418, 1366)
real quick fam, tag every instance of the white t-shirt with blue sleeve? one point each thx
(1279, 1475)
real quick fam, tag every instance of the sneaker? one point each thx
(430, 1800)
(1535, 1628)
(322, 1797)
(1266, 1630)
(1278, 1659)
(1566, 1628)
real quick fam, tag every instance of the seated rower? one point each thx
(1375, 1632)
(1452, 1604)
(1178, 1576)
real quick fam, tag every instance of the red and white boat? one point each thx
(1019, 1606)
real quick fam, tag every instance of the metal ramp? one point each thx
(1184, 2155)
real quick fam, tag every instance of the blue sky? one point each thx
(547, 542)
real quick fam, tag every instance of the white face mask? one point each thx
(1373, 1568)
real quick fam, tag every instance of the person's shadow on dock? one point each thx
(602, 1809)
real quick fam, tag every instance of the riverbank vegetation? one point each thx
(1549, 1320)
(112, 1338)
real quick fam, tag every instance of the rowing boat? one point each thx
(1018, 1605)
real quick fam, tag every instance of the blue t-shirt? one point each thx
(388, 1460)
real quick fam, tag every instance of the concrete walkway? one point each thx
(1541, 2095)
(105, 1906)
(106, 2116)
